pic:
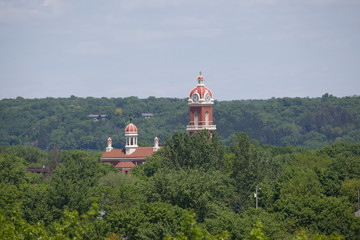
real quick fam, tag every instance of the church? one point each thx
(201, 103)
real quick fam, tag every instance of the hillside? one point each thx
(65, 122)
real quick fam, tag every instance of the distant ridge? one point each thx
(65, 122)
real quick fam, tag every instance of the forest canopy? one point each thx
(184, 193)
(65, 122)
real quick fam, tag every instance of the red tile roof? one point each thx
(141, 152)
(125, 164)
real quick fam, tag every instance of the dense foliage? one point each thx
(64, 122)
(193, 188)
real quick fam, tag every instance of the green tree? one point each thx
(200, 150)
(190, 230)
(14, 227)
(32, 155)
(12, 176)
(119, 191)
(35, 203)
(75, 181)
(299, 182)
(190, 189)
(146, 221)
(324, 215)
(350, 188)
(12, 170)
(243, 165)
(257, 233)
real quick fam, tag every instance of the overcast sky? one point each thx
(246, 49)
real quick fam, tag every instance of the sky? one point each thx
(246, 49)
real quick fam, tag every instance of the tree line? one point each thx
(64, 122)
(195, 187)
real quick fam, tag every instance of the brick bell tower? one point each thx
(201, 103)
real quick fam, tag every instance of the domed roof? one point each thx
(156, 139)
(131, 128)
(201, 91)
(200, 88)
(109, 140)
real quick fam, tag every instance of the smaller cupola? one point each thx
(156, 144)
(109, 147)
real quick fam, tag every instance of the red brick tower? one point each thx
(201, 103)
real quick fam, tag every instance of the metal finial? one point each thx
(200, 73)
(130, 120)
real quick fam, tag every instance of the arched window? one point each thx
(206, 118)
(196, 118)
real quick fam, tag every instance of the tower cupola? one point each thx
(200, 93)
(131, 135)
(200, 102)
